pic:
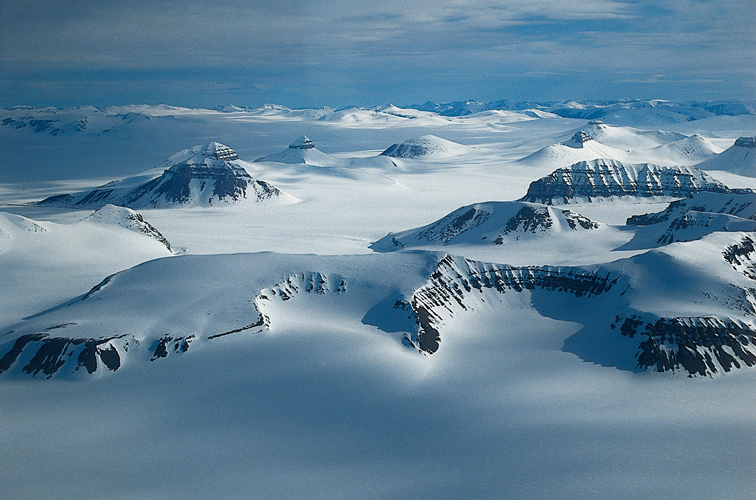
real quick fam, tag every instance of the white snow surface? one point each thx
(530, 394)
(740, 158)
(427, 146)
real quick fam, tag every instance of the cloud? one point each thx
(329, 43)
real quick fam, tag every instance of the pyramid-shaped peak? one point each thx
(303, 142)
(218, 151)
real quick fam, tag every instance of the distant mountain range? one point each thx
(594, 110)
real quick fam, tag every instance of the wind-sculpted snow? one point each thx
(488, 223)
(591, 180)
(200, 176)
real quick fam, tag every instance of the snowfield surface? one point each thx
(517, 302)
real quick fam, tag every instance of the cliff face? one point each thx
(460, 285)
(661, 310)
(589, 180)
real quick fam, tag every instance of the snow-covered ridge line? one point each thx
(460, 284)
(491, 223)
(590, 180)
(592, 110)
(195, 301)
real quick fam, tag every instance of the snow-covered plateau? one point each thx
(462, 300)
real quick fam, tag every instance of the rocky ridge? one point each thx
(592, 180)
(488, 223)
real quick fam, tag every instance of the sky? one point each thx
(315, 53)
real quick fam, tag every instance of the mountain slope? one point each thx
(45, 263)
(685, 308)
(591, 180)
(740, 158)
(488, 223)
(580, 147)
(127, 218)
(687, 151)
(303, 150)
(427, 146)
(201, 176)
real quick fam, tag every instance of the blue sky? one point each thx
(337, 53)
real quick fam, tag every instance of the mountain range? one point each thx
(514, 301)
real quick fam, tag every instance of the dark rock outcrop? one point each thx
(589, 180)
(699, 346)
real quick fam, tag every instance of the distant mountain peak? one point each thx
(199, 176)
(218, 151)
(738, 158)
(302, 142)
(746, 142)
(580, 138)
(427, 145)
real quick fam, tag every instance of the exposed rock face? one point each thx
(703, 213)
(51, 353)
(125, 217)
(740, 203)
(200, 176)
(44, 354)
(487, 223)
(458, 285)
(699, 346)
(746, 142)
(302, 142)
(580, 138)
(589, 180)
(684, 228)
(423, 311)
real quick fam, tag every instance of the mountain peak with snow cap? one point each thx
(739, 158)
(218, 151)
(302, 142)
(580, 138)
(203, 154)
(424, 147)
(200, 176)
